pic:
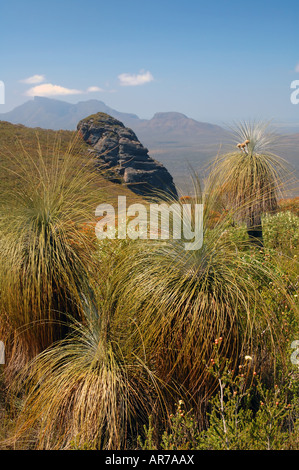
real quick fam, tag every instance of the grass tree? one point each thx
(91, 390)
(250, 179)
(46, 258)
(184, 301)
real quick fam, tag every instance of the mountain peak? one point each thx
(42, 98)
(169, 115)
(49, 113)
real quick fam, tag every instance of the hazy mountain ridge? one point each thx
(56, 114)
(172, 138)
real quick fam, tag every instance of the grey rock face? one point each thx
(119, 150)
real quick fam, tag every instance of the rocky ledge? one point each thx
(126, 160)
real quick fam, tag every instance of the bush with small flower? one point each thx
(244, 413)
(281, 231)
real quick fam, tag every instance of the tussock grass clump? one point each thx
(89, 388)
(250, 181)
(46, 259)
(183, 301)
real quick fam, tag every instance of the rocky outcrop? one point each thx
(120, 152)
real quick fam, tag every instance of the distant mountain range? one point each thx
(56, 114)
(174, 139)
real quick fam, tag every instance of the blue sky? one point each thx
(211, 60)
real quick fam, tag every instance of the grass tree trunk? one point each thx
(255, 229)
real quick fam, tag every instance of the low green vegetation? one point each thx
(101, 118)
(141, 344)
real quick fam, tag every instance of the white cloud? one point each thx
(48, 89)
(297, 68)
(34, 79)
(127, 79)
(93, 89)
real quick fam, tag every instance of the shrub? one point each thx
(281, 231)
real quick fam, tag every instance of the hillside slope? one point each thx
(17, 139)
